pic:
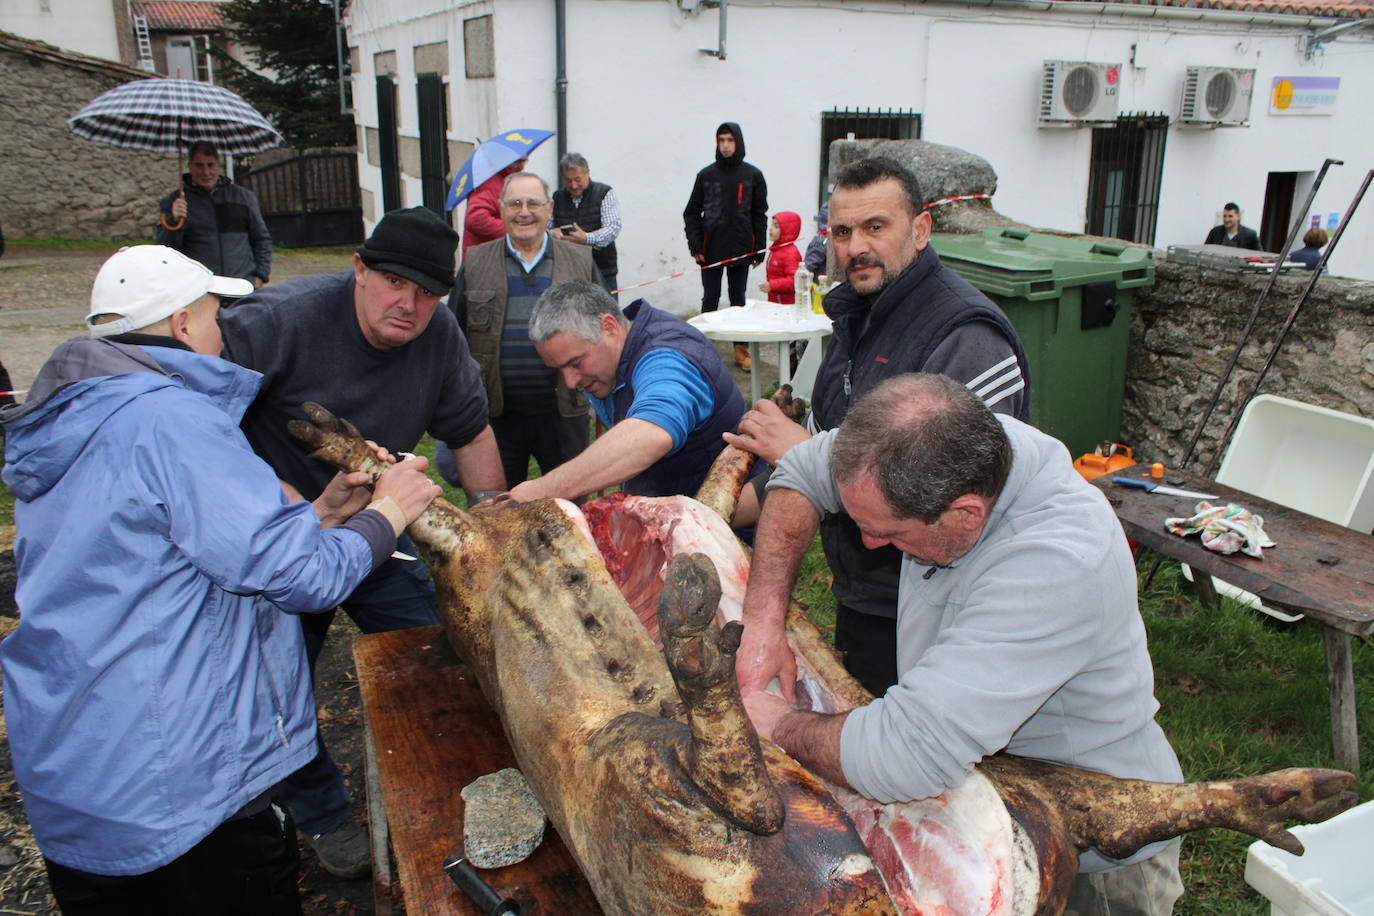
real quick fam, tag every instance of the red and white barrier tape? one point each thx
(692, 270)
(15, 393)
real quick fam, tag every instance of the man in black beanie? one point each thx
(372, 346)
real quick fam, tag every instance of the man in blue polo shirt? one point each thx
(655, 380)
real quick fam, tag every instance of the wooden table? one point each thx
(1322, 570)
(429, 732)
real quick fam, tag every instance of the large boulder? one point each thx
(943, 172)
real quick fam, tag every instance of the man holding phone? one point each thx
(587, 212)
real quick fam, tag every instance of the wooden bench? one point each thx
(1322, 570)
(429, 732)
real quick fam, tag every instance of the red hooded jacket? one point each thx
(783, 259)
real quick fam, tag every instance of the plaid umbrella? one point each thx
(163, 115)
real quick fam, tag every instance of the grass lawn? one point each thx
(1239, 693)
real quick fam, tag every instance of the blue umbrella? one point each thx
(491, 156)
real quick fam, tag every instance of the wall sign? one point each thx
(1304, 95)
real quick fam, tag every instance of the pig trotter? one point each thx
(1261, 805)
(335, 440)
(792, 408)
(1126, 814)
(726, 761)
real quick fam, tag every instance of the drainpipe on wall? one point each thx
(719, 52)
(560, 82)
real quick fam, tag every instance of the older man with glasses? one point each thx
(533, 413)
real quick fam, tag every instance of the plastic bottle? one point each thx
(801, 283)
(818, 291)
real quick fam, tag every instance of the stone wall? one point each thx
(53, 183)
(1185, 328)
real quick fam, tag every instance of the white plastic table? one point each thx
(764, 322)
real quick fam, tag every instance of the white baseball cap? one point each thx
(143, 284)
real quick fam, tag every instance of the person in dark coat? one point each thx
(1309, 255)
(1231, 233)
(815, 250)
(216, 222)
(727, 217)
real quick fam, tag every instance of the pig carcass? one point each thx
(599, 646)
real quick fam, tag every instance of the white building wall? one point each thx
(85, 26)
(643, 104)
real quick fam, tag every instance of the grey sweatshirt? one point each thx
(1031, 642)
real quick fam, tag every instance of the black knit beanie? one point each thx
(415, 244)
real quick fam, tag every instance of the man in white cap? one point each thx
(156, 690)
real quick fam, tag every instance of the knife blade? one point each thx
(1151, 487)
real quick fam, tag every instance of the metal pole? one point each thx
(720, 52)
(339, 53)
(560, 83)
(1254, 315)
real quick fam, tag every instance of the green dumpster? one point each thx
(1070, 300)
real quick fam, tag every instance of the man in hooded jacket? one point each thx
(727, 217)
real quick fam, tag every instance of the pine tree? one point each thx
(295, 40)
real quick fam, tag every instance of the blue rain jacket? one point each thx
(153, 686)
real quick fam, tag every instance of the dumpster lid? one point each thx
(1037, 265)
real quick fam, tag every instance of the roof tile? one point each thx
(181, 15)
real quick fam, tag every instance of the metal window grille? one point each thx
(1124, 177)
(868, 124)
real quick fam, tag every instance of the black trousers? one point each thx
(737, 282)
(249, 865)
(869, 645)
(550, 438)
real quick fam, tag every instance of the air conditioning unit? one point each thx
(1216, 97)
(1075, 92)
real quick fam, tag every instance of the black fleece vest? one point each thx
(683, 471)
(588, 219)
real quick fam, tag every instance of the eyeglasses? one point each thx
(520, 203)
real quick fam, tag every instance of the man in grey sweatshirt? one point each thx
(1017, 623)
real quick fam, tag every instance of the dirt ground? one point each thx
(44, 295)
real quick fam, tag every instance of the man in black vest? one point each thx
(899, 310)
(654, 380)
(588, 212)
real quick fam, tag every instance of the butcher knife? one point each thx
(482, 894)
(1152, 487)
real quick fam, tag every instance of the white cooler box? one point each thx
(1335, 877)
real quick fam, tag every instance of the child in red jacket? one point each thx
(783, 258)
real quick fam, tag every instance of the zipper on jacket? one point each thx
(848, 390)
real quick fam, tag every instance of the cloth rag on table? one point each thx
(1225, 528)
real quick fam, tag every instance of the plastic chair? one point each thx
(1313, 459)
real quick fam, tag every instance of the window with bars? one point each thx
(1124, 177)
(868, 124)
